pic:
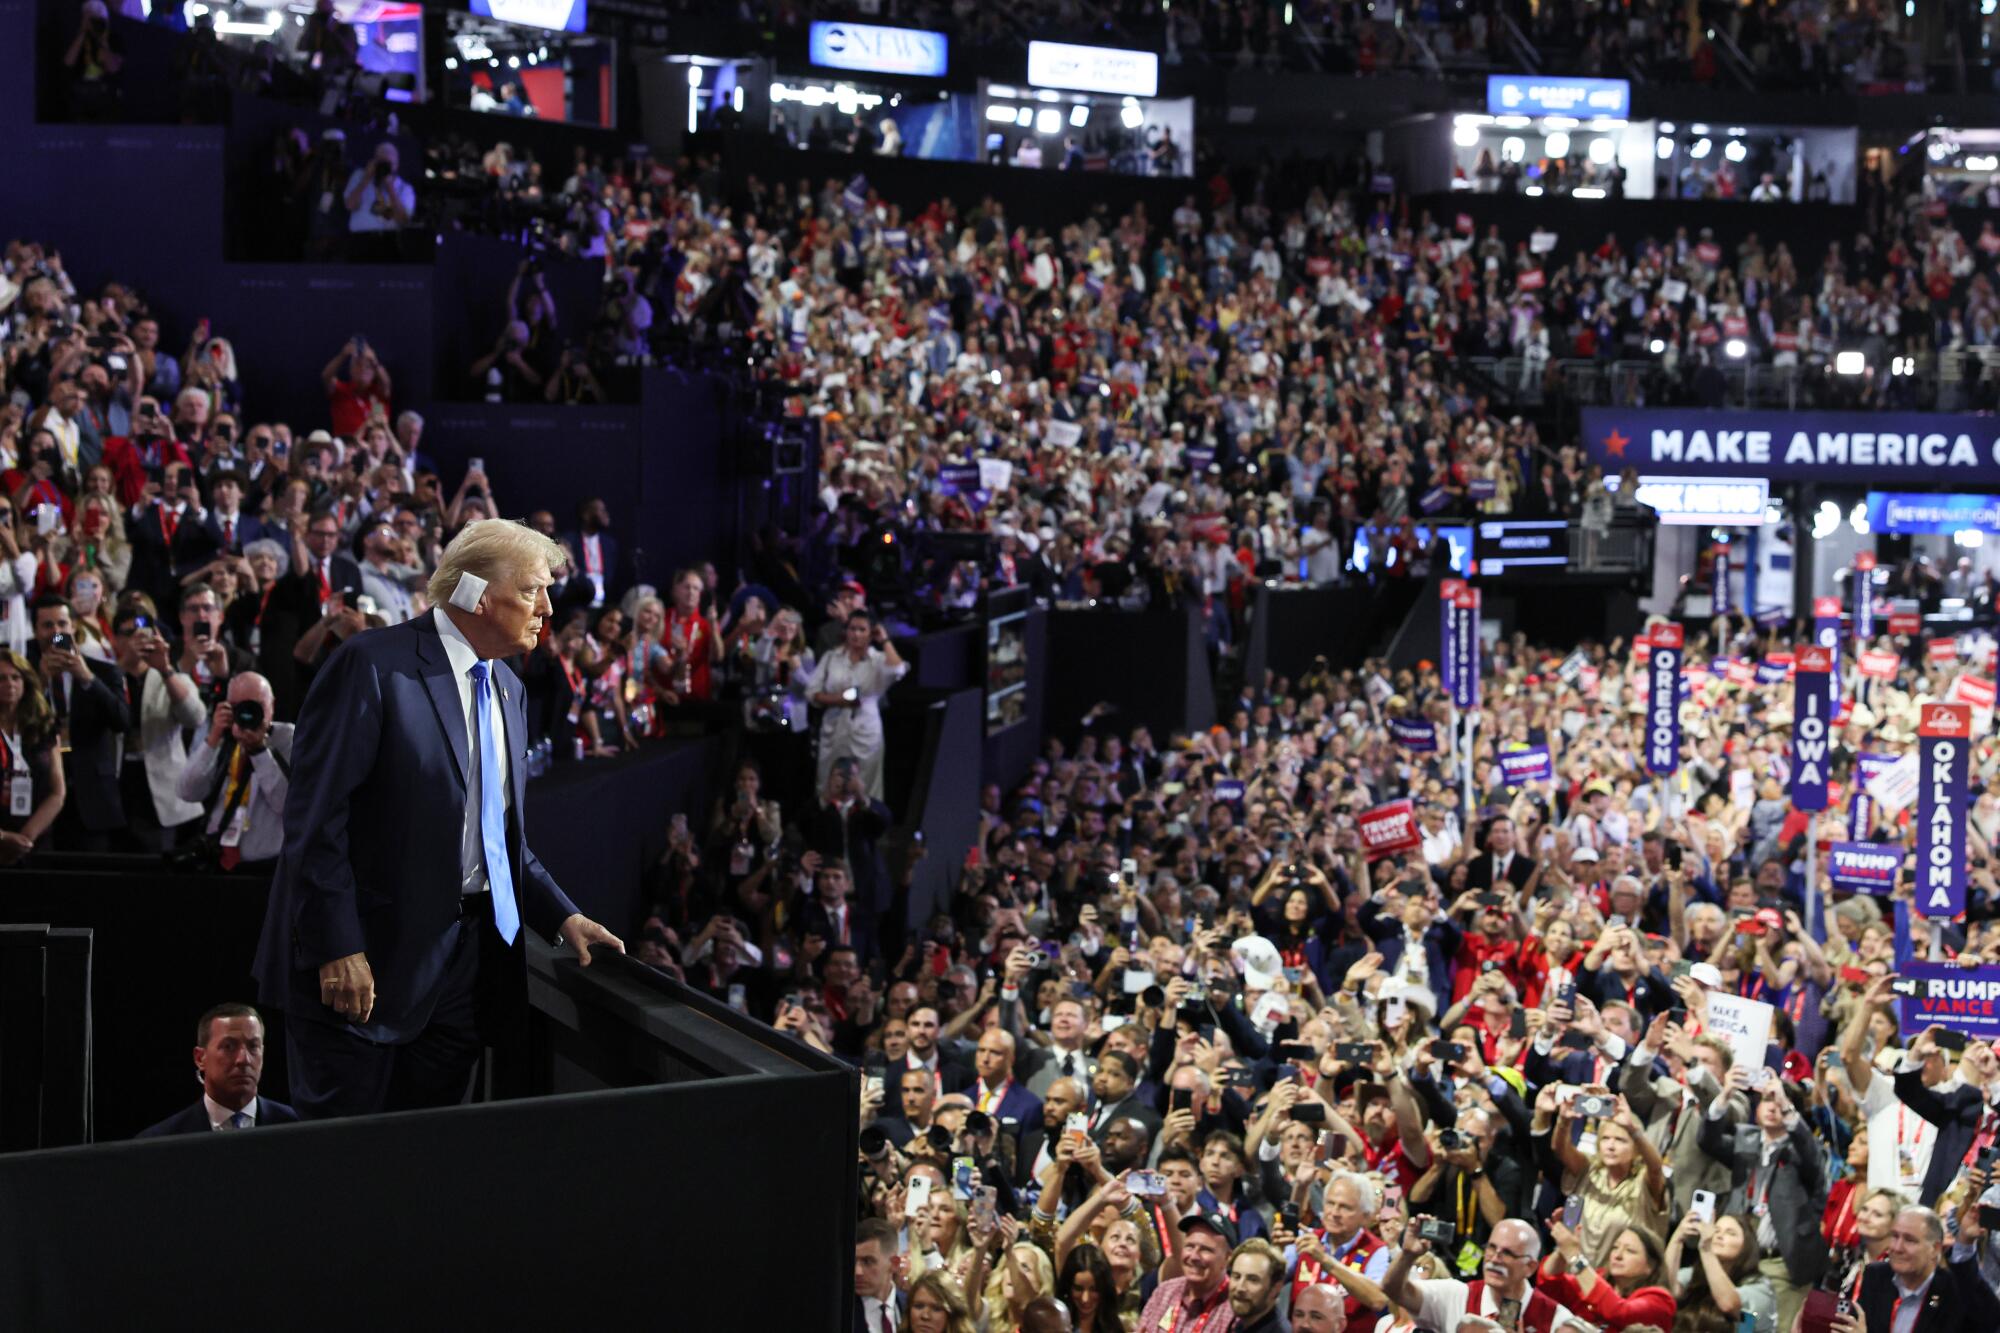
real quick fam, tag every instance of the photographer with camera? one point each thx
(378, 201)
(241, 775)
(505, 374)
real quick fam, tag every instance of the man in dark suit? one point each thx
(996, 1092)
(878, 1305)
(298, 601)
(846, 825)
(595, 551)
(225, 522)
(1958, 1107)
(1115, 1087)
(404, 845)
(947, 1075)
(1945, 1298)
(168, 539)
(1778, 1183)
(229, 1059)
(1500, 863)
(835, 920)
(92, 716)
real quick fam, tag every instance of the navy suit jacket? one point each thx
(248, 529)
(1024, 1108)
(194, 1120)
(373, 823)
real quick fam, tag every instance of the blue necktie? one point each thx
(493, 814)
(238, 1120)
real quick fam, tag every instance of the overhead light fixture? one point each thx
(1466, 136)
(450, 62)
(1700, 149)
(1000, 90)
(1513, 148)
(1857, 518)
(1559, 122)
(1003, 114)
(1556, 145)
(1586, 192)
(1025, 117)
(1512, 122)
(1130, 116)
(1735, 151)
(1048, 121)
(1666, 127)
(1603, 149)
(513, 62)
(1079, 116)
(1698, 129)
(1663, 148)
(1826, 520)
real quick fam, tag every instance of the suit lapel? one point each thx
(517, 772)
(443, 688)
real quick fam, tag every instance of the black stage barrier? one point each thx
(600, 824)
(44, 1037)
(1294, 623)
(628, 1207)
(1152, 666)
(168, 946)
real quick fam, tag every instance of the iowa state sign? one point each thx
(1865, 448)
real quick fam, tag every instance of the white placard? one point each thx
(1674, 290)
(1895, 787)
(1744, 1023)
(1062, 434)
(995, 474)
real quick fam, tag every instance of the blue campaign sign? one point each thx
(1539, 95)
(555, 15)
(1528, 764)
(1964, 999)
(1864, 867)
(1943, 740)
(1229, 791)
(875, 49)
(1927, 448)
(1894, 511)
(1414, 734)
(1814, 702)
(1464, 647)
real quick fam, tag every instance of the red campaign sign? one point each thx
(1945, 720)
(1975, 691)
(1642, 650)
(1586, 680)
(1906, 622)
(1464, 224)
(1785, 342)
(1465, 599)
(1942, 650)
(1879, 666)
(1707, 336)
(1531, 280)
(1815, 658)
(1742, 673)
(1781, 659)
(1735, 326)
(1709, 253)
(1826, 608)
(1668, 636)
(1864, 561)
(1391, 828)
(1450, 588)
(1319, 266)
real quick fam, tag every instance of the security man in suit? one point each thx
(229, 1061)
(393, 935)
(1911, 1289)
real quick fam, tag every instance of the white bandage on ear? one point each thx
(468, 592)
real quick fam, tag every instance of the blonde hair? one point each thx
(492, 548)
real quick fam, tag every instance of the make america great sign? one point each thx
(1798, 446)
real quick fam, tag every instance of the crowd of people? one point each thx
(1186, 1051)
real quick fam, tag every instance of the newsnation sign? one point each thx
(1859, 447)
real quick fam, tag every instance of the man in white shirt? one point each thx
(241, 775)
(377, 198)
(1899, 1140)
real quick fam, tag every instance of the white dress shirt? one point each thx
(218, 1114)
(459, 651)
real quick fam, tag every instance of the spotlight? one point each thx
(1735, 151)
(1513, 149)
(1557, 144)
(1850, 363)
(1663, 148)
(694, 76)
(1603, 149)
(1079, 116)
(1049, 121)
(1657, 346)
(1466, 136)
(1130, 116)
(1734, 349)
(1857, 518)
(1700, 149)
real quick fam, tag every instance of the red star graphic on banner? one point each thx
(1614, 444)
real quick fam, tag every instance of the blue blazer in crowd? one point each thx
(194, 1120)
(373, 824)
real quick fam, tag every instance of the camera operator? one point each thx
(241, 776)
(377, 199)
(504, 372)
